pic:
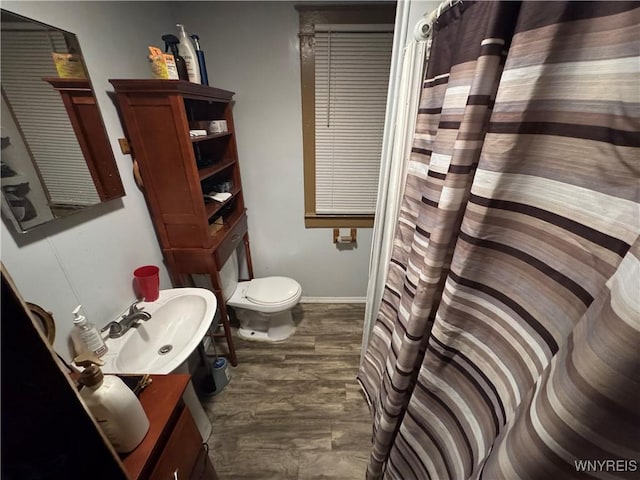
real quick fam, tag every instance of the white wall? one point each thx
(251, 48)
(89, 258)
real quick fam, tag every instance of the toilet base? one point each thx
(271, 336)
(265, 327)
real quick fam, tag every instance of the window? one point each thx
(345, 62)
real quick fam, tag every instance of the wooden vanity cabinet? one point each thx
(182, 453)
(176, 170)
(173, 445)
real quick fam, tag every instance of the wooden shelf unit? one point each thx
(156, 116)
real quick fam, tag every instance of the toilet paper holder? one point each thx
(337, 238)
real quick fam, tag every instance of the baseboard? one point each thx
(333, 300)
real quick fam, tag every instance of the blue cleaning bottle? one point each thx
(204, 78)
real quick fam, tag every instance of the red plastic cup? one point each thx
(147, 282)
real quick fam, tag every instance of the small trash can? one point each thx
(221, 373)
(213, 377)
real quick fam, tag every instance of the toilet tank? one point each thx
(229, 276)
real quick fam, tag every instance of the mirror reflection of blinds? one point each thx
(43, 119)
(351, 77)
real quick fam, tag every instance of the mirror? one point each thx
(56, 157)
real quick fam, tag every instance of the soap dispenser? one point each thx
(114, 406)
(85, 335)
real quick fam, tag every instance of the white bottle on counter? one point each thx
(114, 406)
(85, 335)
(188, 52)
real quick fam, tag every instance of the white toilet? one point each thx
(262, 305)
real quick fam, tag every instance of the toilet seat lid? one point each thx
(271, 290)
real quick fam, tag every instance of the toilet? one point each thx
(262, 305)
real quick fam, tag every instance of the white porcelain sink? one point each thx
(179, 320)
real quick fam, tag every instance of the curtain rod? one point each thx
(424, 27)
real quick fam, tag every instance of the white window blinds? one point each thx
(351, 80)
(43, 119)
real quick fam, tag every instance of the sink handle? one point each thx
(113, 327)
(133, 308)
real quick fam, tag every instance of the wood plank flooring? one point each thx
(293, 410)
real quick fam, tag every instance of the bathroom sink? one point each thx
(179, 320)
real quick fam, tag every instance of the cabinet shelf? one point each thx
(211, 170)
(214, 207)
(202, 138)
(218, 234)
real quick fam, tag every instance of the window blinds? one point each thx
(351, 80)
(43, 119)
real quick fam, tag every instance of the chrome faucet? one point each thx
(128, 321)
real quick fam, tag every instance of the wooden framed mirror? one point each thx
(56, 156)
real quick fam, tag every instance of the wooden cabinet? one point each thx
(178, 459)
(173, 445)
(197, 236)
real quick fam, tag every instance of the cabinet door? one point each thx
(181, 452)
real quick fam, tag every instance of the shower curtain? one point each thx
(407, 65)
(507, 344)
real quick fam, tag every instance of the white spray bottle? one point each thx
(188, 52)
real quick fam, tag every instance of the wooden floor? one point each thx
(293, 410)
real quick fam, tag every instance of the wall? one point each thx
(417, 9)
(252, 49)
(88, 258)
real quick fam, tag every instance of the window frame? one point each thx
(379, 13)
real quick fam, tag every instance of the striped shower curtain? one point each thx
(507, 345)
